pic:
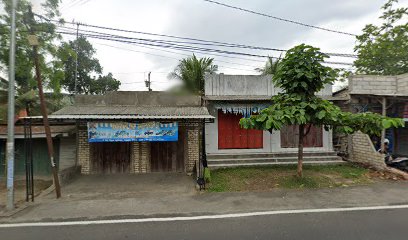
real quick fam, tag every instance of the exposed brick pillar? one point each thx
(193, 149)
(145, 164)
(135, 157)
(84, 151)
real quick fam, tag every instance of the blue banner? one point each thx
(132, 132)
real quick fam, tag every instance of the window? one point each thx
(290, 137)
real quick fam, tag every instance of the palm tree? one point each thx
(270, 66)
(191, 72)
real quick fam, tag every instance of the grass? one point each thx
(267, 178)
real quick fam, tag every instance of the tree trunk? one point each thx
(300, 150)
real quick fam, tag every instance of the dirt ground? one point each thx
(20, 190)
(120, 186)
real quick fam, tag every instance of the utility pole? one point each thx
(34, 42)
(76, 60)
(148, 82)
(11, 110)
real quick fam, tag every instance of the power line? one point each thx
(127, 49)
(71, 4)
(198, 41)
(208, 51)
(172, 52)
(280, 19)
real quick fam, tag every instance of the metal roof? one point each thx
(37, 131)
(130, 112)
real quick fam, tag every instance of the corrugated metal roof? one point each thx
(130, 112)
(124, 117)
(37, 131)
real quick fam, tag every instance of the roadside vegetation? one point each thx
(267, 178)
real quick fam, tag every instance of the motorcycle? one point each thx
(398, 162)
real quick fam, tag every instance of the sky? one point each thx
(203, 20)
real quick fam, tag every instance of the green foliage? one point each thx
(88, 67)
(301, 75)
(270, 67)
(291, 109)
(301, 71)
(46, 34)
(105, 84)
(382, 50)
(191, 71)
(207, 175)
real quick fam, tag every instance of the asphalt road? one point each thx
(372, 225)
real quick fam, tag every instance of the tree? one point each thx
(301, 75)
(382, 50)
(270, 67)
(26, 96)
(46, 33)
(88, 68)
(191, 71)
(105, 84)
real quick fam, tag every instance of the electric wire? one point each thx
(281, 19)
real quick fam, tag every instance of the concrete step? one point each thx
(223, 161)
(277, 160)
(267, 155)
(232, 165)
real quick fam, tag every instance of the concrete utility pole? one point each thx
(11, 110)
(34, 42)
(76, 61)
(148, 82)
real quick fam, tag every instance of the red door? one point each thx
(232, 136)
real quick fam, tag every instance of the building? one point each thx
(135, 132)
(231, 97)
(63, 138)
(386, 95)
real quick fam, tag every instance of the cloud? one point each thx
(199, 19)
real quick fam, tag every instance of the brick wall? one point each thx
(145, 163)
(193, 149)
(140, 152)
(135, 157)
(83, 151)
(363, 151)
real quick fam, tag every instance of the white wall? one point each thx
(246, 85)
(271, 142)
(67, 156)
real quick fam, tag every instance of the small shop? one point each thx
(232, 97)
(136, 132)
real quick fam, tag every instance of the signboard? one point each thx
(132, 132)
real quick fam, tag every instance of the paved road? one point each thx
(372, 225)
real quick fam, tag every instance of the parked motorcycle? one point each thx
(398, 162)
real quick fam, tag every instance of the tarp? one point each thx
(132, 132)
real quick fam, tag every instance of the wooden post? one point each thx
(34, 42)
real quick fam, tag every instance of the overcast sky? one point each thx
(203, 20)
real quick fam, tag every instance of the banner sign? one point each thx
(132, 132)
